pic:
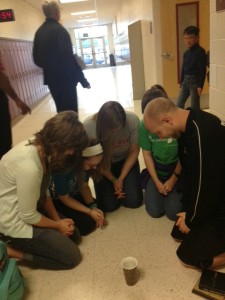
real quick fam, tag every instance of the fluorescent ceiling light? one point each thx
(87, 20)
(83, 12)
(70, 1)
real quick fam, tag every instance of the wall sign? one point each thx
(7, 15)
(220, 5)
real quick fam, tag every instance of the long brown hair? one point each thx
(110, 116)
(62, 132)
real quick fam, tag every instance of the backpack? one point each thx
(11, 280)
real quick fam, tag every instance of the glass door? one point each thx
(93, 52)
(86, 51)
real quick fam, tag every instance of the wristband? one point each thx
(176, 174)
(113, 180)
(92, 205)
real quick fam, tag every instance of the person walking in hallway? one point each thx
(53, 52)
(193, 71)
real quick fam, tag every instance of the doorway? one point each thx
(171, 43)
(186, 14)
(93, 52)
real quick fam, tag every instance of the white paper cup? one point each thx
(129, 265)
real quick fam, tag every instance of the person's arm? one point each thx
(170, 183)
(95, 213)
(151, 169)
(28, 185)
(69, 60)
(72, 203)
(65, 226)
(201, 59)
(5, 85)
(133, 123)
(50, 209)
(131, 159)
(109, 175)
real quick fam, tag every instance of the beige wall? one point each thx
(130, 12)
(217, 61)
(28, 19)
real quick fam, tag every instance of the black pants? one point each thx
(200, 245)
(82, 221)
(104, 189)
(5, 125)
(64, 96)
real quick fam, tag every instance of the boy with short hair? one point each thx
(193, 69)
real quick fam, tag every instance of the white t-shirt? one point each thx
(122, 139)
(21, 176)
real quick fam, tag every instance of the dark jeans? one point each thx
(83, 222)
(48, 248)
(104, 189)
(189, 88)
(64, 96)
(5, 125)
(158, 205)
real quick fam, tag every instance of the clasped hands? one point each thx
(66, 226)
(118, 186)
(166, 187)
(98, 216)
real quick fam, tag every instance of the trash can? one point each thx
(112, 60)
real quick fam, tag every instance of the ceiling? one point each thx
(105, 12)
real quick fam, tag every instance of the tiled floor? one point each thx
(129, 232)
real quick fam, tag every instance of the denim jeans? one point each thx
(48, 248)
(158, 205)
(189, 88)
(104, 189)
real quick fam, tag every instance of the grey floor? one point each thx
(130, 232)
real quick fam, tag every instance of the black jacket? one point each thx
(52, 51)
(202, 156)
(194, 63)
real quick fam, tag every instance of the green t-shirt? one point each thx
(164, 151)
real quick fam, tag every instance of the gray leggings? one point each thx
(48, 248)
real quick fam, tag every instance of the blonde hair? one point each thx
(50, 8)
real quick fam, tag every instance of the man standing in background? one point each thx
(53, 53)
(5, 119)
(193, 69)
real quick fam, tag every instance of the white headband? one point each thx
(92, 151)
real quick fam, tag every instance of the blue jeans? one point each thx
(158, 205)
(189, 88)
(104, 189)
(48, 248)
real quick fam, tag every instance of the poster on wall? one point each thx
(220, 5)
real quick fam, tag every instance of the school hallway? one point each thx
(130, 232)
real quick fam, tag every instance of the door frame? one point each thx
(178, 29)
